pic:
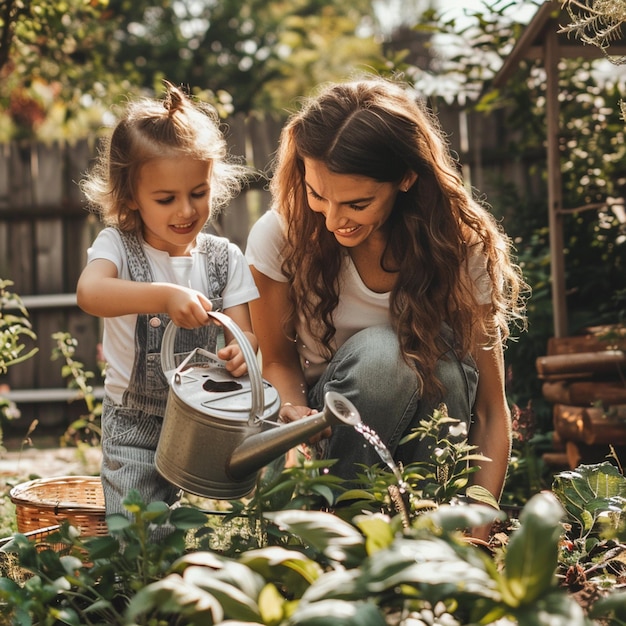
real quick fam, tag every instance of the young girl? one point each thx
(397, 288)
(161, 177)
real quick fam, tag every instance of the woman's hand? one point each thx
(290, 413)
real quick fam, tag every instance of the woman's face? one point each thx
(173, 199)
(355, 207)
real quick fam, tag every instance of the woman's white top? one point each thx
(358, 306)
(118, 338)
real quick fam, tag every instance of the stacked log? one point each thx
(585, 380)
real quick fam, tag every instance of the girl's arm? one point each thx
(101, 293)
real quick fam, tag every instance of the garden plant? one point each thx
(308, 550)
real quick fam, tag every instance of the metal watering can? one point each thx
(220, 431)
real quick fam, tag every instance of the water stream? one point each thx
(395, 491)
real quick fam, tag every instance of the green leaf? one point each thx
(532, 551)
(377, 530)
(588, 491)
(324, 491)
(173, 595)
(459, 517)
(438, 568)
(236, 603)
(117, 522)
(271, 605)
(556, 608)
(186, 518)
(288, 567)
(333, 537)
(355, 494)
(102, 547)
(613, 605)
(338, 613)
(480, 494)
(67, 616)
(340, 584)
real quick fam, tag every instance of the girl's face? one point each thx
(354, 207)
(173, 199)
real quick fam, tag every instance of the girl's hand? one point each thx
(235, 362)
(188, 308)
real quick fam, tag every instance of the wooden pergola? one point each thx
(541, 40)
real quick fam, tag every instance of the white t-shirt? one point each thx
(358, 307)
(118, 338)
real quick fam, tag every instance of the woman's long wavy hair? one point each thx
(376, 128)
(151, 129)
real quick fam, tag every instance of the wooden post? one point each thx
(555, 192)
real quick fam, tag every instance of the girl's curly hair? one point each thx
(150, 129)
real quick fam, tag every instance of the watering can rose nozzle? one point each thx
(262, 448)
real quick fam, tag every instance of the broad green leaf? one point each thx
(335, 538)
(377, 530)
(532, 551)
(480, 494)
(613, 604)
(324, 491)
(583, 491)
(173, 595)
(459, 517)
(200, 558)
(337, 613)
(98, 605)
(186, 518)
(271, 605)
(117, 522)
(236, 603)
(290, 568)
(340, 584)
(355, 494)
(436, 567)
(556, 608)
(229, 572)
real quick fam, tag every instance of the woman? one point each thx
(382, 279)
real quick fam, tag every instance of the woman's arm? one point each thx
(491, 428)
(281, 362)
(101, 293)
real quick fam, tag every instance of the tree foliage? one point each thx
(64, 62)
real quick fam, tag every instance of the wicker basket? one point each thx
(48, 501)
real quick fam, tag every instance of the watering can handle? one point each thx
(256, 382)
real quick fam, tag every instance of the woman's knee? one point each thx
(372, 361)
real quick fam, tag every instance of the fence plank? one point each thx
(48, 175)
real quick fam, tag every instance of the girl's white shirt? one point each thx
(358, 307)
(118, 339)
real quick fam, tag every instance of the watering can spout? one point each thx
(259, 449)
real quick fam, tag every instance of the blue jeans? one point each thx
(370, 372)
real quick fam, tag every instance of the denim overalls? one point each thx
(130, 432)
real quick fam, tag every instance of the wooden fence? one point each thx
(45, 231)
